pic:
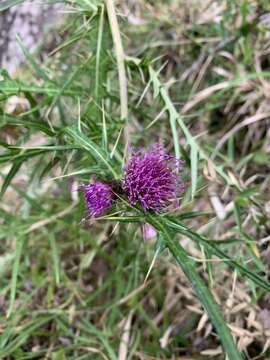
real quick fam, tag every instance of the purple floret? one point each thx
(152, 178)
(99, 197)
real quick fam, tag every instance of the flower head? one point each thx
(99, 197)
(151, 178)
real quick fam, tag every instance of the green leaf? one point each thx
(28, 123)
(12, 172)
(211, 245)
(40, 73)
(98, 52)
(85, 143)
(15, 153)
(221, 254)
(237, 215)
(14, 87)
(200, 287)
(49, 166)
(173, 115)
(6, 4)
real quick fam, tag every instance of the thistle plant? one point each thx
(151, 179)
(85, 121)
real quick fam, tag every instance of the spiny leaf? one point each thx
(17, 153)
(221, 254)
(200, 287)
(85, 143)
(209, 244)
(6, 4)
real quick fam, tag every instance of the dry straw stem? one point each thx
(200, 96)
(51, 219)
(120, 58)
(250, 120)
(124, 344)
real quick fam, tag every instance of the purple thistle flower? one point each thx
(99, 197)
(151, 178)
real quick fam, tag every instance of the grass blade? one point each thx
(55, 258)
(15, 271)
(12, 172)
(99, 43)
(31, 59)
(194, 170)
